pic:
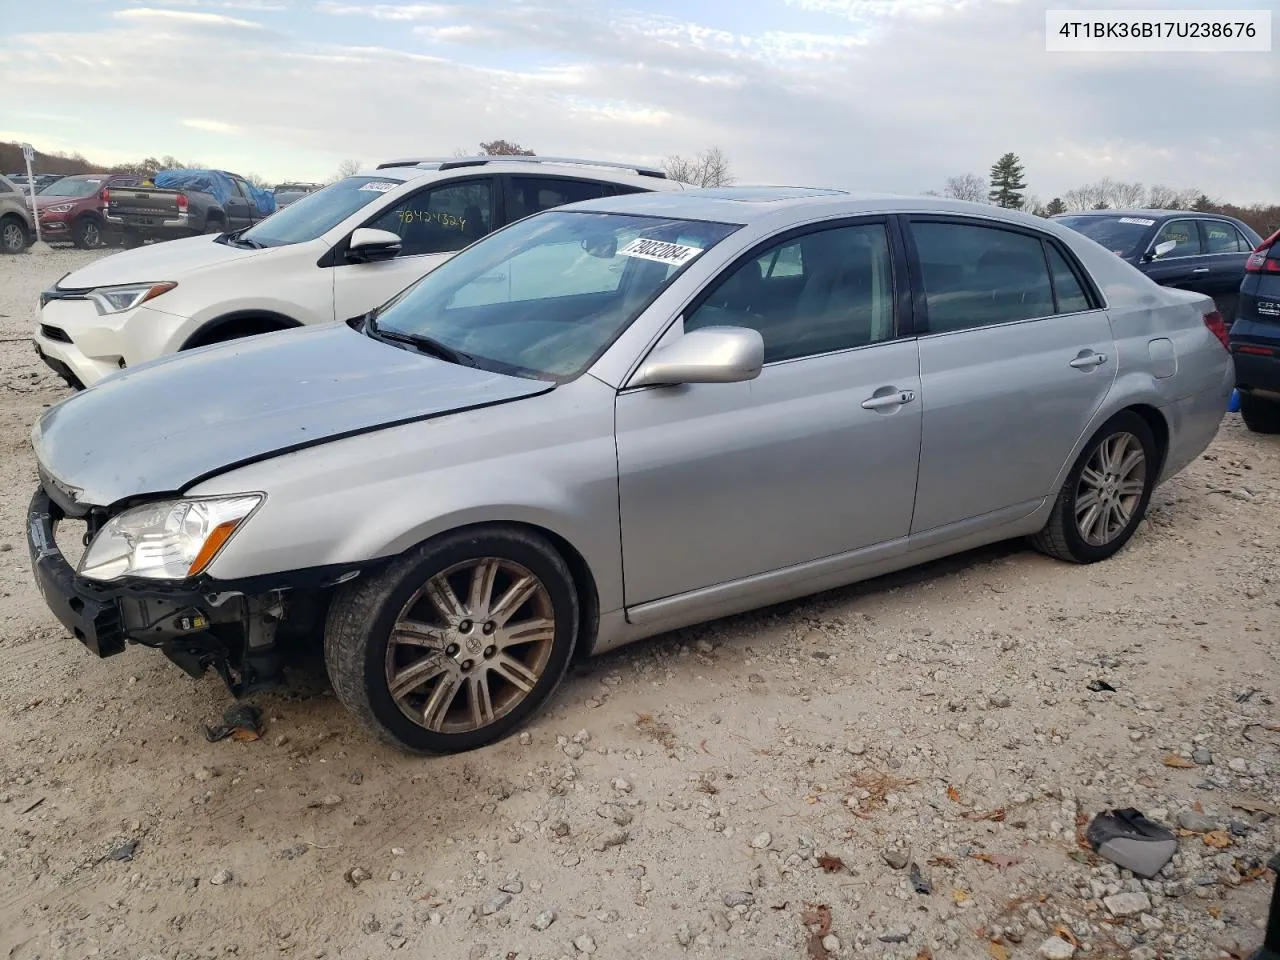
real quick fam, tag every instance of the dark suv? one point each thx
(1204, 252)
(1255, 338)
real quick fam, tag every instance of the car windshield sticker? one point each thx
(379, 186)
(659, 250)
(1141, 221)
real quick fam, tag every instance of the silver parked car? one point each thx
(612, 419)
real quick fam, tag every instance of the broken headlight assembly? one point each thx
(167, 540)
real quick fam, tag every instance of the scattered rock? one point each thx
(369, 923)
(615, 839)
(895, 858)
(1238, 765)
(512, 886)
(220, 878)
(738, 898)
(1055, 948)
(762, 840)
(544, 920)
(356, 876)
(123, 851)
(573, 751)
(1196, 822)
(585, 944)
(1127, 904)
(1000, 700)
(1202, 756)
(622, 784)
(494, 904)
(831, 943)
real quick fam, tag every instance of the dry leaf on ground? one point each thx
(1218, 839)
(830, 863)
(997, 951)
(1178, 763)
(953, 794)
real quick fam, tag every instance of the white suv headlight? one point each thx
(169, 540)
(127, 296)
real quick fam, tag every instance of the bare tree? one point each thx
(504, 148)
(347, 168)
(707, 169)
(257, 180)
(967, 186)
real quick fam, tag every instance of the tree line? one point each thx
(1006, 186)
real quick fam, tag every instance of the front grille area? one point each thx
(54, 333)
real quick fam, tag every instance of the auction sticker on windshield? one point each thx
(1141, 221)
(660, 250)
(380, 186)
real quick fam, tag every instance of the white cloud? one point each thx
(193, 18)
(211, 126)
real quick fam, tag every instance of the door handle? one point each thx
(1200, 270)
(1089, 362)
(889, 400)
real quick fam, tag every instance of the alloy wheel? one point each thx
(470, 645)
(1110, 489)
(12, 238)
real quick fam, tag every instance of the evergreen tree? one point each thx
(1007, 181)
(1055, 207)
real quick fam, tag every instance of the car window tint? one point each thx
(531, 194)
(1184, 234)
(1220, 237)
(978, 276)
(1071, 296)
(549, 270)
(441, 219)
(828, 290)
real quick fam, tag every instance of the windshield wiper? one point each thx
(238, 240)
(423, 343)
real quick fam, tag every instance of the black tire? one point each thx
(1260, 415)
(1062, 537)
(362, 615)
(87, 233)
(14, 235)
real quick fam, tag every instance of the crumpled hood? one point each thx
(156, 263)
(160, 426)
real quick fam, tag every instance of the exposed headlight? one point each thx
(58, 208)
(118, 299)
(169, 540)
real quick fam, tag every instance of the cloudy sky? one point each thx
(872, 94)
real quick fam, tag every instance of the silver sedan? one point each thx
(613, 419)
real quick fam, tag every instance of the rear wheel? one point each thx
(87, 233)
(1260, 414)
(14, 237)
(1105, 496)
(456, 644)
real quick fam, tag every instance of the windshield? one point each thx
(71, 188)
(1120, 235)
(317, 213)
(547, 295)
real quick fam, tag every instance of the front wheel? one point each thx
(87, 234)
(1259, 414)
(1105, 495)
(456, 644)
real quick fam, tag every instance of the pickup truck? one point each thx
(186, 203)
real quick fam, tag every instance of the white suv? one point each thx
(333, 255)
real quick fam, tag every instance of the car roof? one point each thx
(778, 204)
(1161, 214)
(404, 171)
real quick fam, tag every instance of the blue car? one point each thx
(1255, 338)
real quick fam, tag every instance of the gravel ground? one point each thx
(901, 770)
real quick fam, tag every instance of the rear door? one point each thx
(1225, 253)
(433, 223)
(1016, 356)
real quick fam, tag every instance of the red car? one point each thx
(71, 208)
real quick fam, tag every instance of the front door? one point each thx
(432, 224)
(814, 458)
(1016, 360)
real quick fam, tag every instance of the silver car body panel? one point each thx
(687, 503)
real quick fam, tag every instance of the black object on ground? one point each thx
(920, 881)
(1271, 943)
(1129, 840)
(1099, 686)
(240, 720)
(124, 851)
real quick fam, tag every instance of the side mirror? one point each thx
(369, 246)
(709, 355)
(1163, 248)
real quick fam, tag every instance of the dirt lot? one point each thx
(894, 770)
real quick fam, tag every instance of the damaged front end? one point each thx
(236, 628)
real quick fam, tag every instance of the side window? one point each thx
(441, 219)
(825, 291)
(531, 194)
(1184, 234)
(1221, 237)
(1071, 296)
(979, 276)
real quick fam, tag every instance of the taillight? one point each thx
(1265, 257)
(182, 203)
(106, 195)
(1213, 320)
